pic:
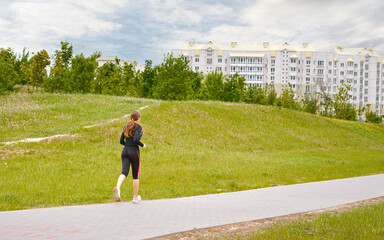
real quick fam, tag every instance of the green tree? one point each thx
(255, 94)
(8, 74)
(83, 72)
(310, 103)
(59, 78)
(213, 86)
(288, 98)
(271, 94)
(371, 116)
(344, 109)
(39, 64)
(232, 91)
(147, 79)
(326, 105)
(22, 67)
(174, 80)
(133, 82)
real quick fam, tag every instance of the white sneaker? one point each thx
(137, 200)
(116, 194)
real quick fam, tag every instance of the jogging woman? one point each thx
(130, 155)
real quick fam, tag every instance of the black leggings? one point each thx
(130, 157)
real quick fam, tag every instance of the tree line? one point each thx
(171, 80)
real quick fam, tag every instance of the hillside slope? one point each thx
(193, 148)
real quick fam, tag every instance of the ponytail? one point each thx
(129, 130)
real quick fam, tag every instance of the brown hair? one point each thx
(130, 130)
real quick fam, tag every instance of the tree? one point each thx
(232, 91)
(310, 103)
(256, 94)
(22, 67)
(8, 74)
(83, 72)
(60, 72)
(326, 106)
(174, 80)
(344, 109)
(39, 64)
(288, 98)
(147, 79)
(213, 86)
(371, 116)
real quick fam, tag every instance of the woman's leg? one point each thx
(125, 162)
(135, 162)
(135, 188)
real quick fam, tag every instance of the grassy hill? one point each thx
(193, 148)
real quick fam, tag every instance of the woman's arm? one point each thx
(122, 142)
(137, 136)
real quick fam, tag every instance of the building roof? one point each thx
(106, 58)
(355, 51)
(234, 46)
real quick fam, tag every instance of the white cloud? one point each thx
(43, 24)
(39, 19)
(323, 24)
(100, 6)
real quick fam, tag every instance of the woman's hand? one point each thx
(145, 146)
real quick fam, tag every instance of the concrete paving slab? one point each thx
(153, 218)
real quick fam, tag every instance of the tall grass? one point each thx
(193, 148)
(363, 223)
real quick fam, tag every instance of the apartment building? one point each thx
(307, 70)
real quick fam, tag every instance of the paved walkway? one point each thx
(160, 217)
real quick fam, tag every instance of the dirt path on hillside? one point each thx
(233, 231)
(28, 140)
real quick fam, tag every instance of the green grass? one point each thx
(362, 223)
(193, 148)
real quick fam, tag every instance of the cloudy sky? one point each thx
(147, 29)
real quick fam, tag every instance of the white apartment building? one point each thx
(306, 69)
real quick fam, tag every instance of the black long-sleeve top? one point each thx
(132, 143)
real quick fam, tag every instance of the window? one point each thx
(341, 73)
(197, 59)
(350, 72)
(293, 78)
(320, 63)
(350, 64)
(220, 60)
(293, 60)
(209, 60)
(330, 63)
(307, 79)
(366, 75)
(308, 70)
(366, 66)
(273, 61)
(329, 71)
(365, 91)
(293, 69)
(272, 70)
(259, 60)
(308, 62)
(334, 81)
(196, 68)
(294, 86)
(219, 69)
(184, 58)
(272, 78)
(308, 88)
(320, 71)
(341, 64)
